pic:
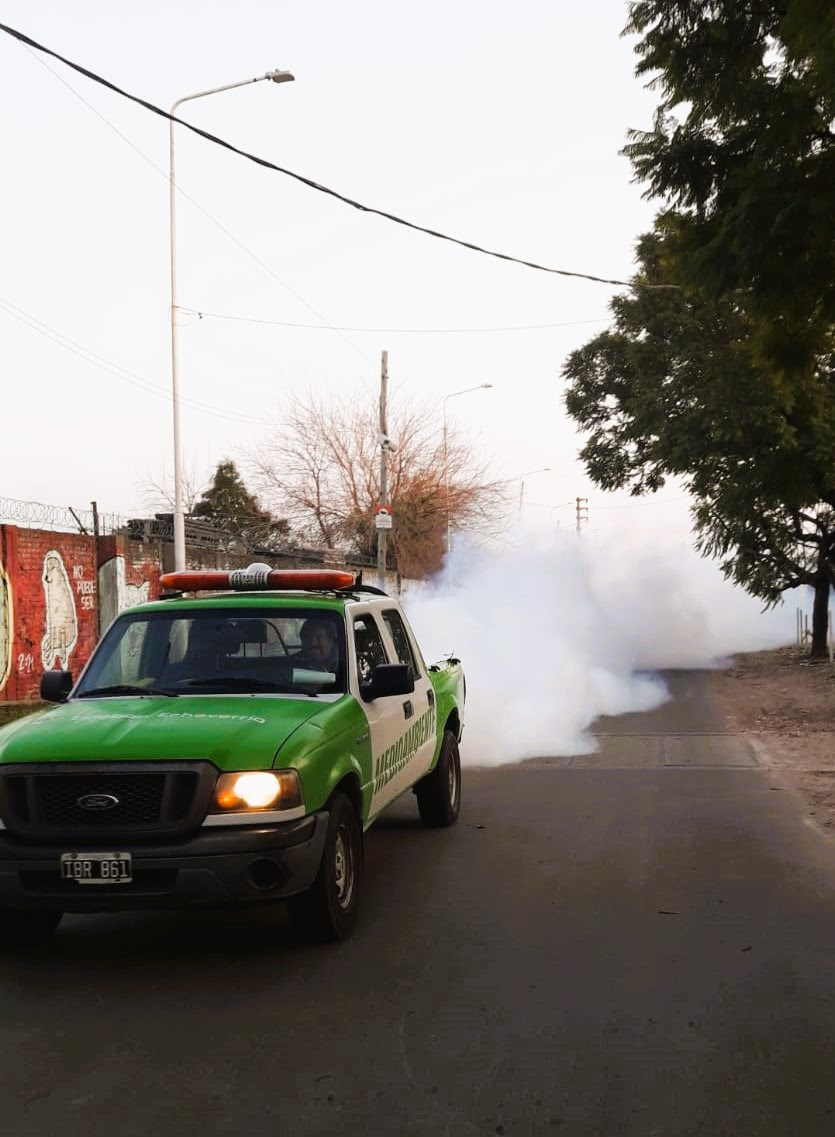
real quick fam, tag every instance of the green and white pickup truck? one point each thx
(224, 747)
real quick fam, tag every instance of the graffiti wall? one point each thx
(128, 574)
(48, 606)
(56, 591)
(5, 628)
(60, 591)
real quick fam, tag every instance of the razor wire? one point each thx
(200, 534)
(40, 515)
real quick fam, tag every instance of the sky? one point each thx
(499, 124)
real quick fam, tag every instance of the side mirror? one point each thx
(388, 679)
(56, 685)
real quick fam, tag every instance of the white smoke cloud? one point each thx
(553, 635)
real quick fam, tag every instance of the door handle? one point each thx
(408, 709)
(430, 697)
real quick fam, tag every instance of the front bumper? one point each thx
(219, 866)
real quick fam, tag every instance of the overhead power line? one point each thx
(325, 325)
(647, 500)
(629, 505)
(311, 184)
(116, 369)
(389, 331)
(218, 225)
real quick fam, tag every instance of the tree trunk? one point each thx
(820, 616)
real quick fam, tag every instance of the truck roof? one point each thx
(327, 601)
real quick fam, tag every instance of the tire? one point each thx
(22, 928)
(328, 910)
(439, 793)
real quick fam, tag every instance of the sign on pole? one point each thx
(382, 517)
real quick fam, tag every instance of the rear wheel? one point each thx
(328, 910)
(21, 928)
(439, 793)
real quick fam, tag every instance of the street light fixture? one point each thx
(275, 76)
(466, 391)
(528, 474)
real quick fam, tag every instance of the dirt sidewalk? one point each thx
(784, 705)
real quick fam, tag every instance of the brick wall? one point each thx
(48, 606)
(60, 591)
(57, 592)
(128, 574)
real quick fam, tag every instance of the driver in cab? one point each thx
(319, 646)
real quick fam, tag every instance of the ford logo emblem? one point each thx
(97, 802)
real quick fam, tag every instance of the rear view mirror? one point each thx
(56, 685)
(388, 679)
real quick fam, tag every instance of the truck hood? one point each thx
(233, 732)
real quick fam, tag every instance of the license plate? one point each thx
(97, 868)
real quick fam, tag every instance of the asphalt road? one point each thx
(638, 942)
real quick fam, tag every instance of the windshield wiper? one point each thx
(236, 683)
(126, 689)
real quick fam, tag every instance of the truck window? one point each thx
(369, 645)
(127, 663)
(217, 651)
(257, 639)
(400, 636)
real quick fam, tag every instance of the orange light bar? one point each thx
(255, 579)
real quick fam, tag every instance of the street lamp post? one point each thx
(466, 391)
(528, 474)
(179, 517)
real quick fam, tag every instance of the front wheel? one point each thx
(439, 793)
(328, 910)
(22, 928)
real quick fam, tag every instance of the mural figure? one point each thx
(61, 634)
(6, 626)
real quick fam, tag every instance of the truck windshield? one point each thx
(246, 651)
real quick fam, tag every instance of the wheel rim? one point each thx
(343, 868)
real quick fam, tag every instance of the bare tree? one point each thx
(158, 492)
(320, 470)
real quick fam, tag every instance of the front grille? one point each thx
(147, 800)
(138, 797)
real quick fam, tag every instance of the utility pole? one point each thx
(582, 511)
(94, 505)
(382, 533)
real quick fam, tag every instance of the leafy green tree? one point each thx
(742, 148)
(236, 511)
(678, 389)
(726, 376)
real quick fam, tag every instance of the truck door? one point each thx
(424, 712)
(388, 721)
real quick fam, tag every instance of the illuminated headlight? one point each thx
(259, 789)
